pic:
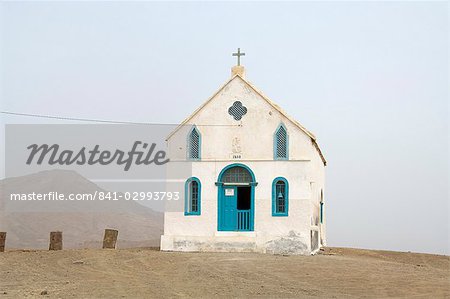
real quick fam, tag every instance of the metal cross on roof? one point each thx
(239, 54)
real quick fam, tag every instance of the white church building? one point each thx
(257, 182)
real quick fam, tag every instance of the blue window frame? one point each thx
(281, 143)
(280, 197)
(192, 190)
(194, 144)
(321, 212)
(321, 206)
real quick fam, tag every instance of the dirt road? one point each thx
(138, 273)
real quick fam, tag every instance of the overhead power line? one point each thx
(72, 118)
(96, 120)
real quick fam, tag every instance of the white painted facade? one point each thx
(249, 141)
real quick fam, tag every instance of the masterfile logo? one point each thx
(99, 165)
(52, 155)
(99, 151)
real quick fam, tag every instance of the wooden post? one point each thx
(2, 241)
(56, 242)
(110, 238)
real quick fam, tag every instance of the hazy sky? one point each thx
(370, 79)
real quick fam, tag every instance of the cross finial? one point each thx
(239, 54)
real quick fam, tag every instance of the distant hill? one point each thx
(29, 223)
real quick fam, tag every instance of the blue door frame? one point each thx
(228, 217)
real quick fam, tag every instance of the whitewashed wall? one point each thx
(304, 171)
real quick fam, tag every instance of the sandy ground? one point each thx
(138, 273)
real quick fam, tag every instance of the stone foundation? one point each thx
(292, 244)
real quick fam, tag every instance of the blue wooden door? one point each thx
(229, 208)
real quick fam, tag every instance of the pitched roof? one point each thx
(269, 101)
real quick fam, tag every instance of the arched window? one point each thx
(281, 143)
(280, 197)
(236, 174)
(192, 197)
(194, 144)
